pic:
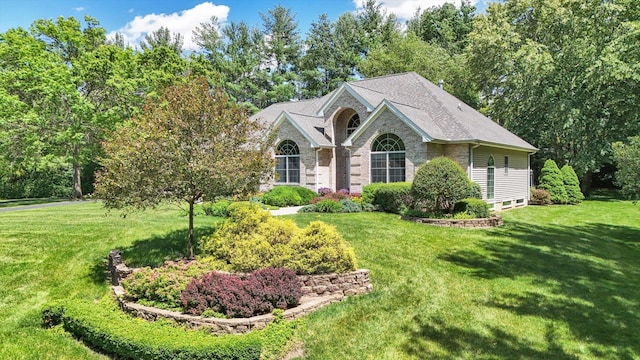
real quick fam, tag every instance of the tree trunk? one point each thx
(585, 184)
(190, 236)
(77, 182)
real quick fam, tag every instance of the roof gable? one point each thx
(315, 141)
(336, 95)
(386, 105)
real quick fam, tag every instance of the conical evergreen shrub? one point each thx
(572, 185)
(552, 181)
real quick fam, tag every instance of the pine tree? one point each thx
(572, 185)
(551, 180)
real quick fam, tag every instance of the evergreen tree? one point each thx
(551, 179)
(571, 185)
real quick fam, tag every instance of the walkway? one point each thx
(41, 206)
(286, 211)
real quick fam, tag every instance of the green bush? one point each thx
(476, 208)
(305, 194)
(218, 208)
(252, 239)
(308, 209)
(439, 184)
(369, 191)
(392, 197)
(475, 191)
(109, 330)
(319, 249)
(551, 180)
(282, 196)
(55, 181)
(288, 196)
(328, 206)
(571, 185)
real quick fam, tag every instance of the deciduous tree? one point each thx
(627, 158)
(190, 142)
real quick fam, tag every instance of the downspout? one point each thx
(317, 167)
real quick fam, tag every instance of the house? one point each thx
(382, 129)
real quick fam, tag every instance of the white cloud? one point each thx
(405, 9)
(79, 9)
(183, 22)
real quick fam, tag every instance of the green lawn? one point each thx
(554, 282)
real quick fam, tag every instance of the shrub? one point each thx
(161, 287)
(288, 196)
(439, 184)
(220, 208)
(335, 196)
(540, 197)
(476, 208)
(106, 328)
(571, 185)
(349, 206)
(282, 288)
(282, 196)
(328, 206)
(305, 194)
(368, 192)
(392, 197)
(551, 180)
(475, 191)
(256, 294)
(324, 191)
(251, 239)
(319, 249)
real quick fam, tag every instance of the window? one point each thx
(353, 124)
(490, 178)
(288, 162)
(387, 159)
(506, 165)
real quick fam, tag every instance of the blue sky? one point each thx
(134, 18)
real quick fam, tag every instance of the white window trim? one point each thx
(387, 162)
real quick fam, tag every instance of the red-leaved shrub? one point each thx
(235, 296)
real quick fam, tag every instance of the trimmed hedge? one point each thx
(439, 184)
(392, 197)
(285, 195)
(109, 330)
(369, 191)
(476, 208)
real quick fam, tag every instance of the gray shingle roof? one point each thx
(438, 113)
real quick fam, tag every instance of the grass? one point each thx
(559, 282)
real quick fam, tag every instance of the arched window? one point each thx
(491, 169)
(387, 159)
(288, 162)
(353, 124)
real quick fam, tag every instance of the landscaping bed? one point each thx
(317, 291)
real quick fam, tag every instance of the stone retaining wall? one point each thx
(317, 290)
(493, 221)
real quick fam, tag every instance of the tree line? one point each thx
(562, 74)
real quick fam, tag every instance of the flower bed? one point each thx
(317, 291)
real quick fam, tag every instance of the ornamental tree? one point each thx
(190, 142)
(551, 180)
(571, 185)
